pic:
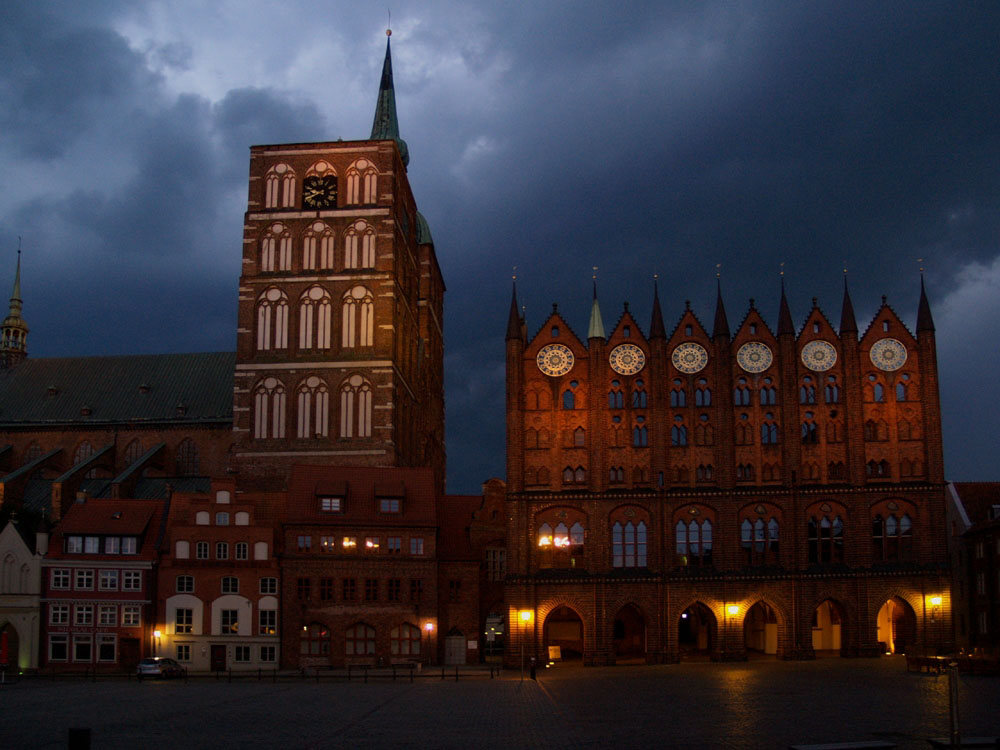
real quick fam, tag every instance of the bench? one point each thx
(966, 742)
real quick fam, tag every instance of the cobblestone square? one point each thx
(757, 704)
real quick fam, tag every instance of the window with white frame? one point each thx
(183, 620)
(131, 615)
(106, 643)
(112, 545)
(183, 652)
(230, 585)
(83, 648)
(331, 504)
(267, 622)
(132, 580)
(58, 647)
(230, 622)
(92, 545)
(389, 505)
(394, 545)
(416, 545)
(107, 614)
(59, 578)
(201, 550)
(269, 585)
(242, 654)
(304, 542)
(74, 545)
(130, 545)
(84, 580)
(185, 584)
(222, 550)
(108, 580)
(83, 614)
(58, 614)
(268, 654)
(241, 551)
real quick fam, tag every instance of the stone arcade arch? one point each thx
(897, 626)
(564, 628)
(10, 648)
(629, 634)
(828, 628)
(697, 632)
(760, 629)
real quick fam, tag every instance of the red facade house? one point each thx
(99, 585)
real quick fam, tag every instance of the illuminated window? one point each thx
(694, 543)
(315, 640)
(404, 640)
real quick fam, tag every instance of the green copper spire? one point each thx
(596, 330)
(386, 126)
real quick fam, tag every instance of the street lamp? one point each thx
(525, 617)
(156, 641)
(429, 628)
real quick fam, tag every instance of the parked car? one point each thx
(159, 666)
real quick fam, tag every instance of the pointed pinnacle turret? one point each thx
(721, 327)
(596, 329)
(13, 330)
(924, 320)
(785, 324)
(514, 320)
(848, 324)
(385, 126)
(656, 329)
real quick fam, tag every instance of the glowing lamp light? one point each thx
(544, 541)
(156, 633)
(561, 541)
(525, 615)
(349, 541)
(684, 616)
(733, 609)
(935, 601)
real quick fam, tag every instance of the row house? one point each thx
(218, 578)
(99, 584)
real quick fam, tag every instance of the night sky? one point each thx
(640, 137)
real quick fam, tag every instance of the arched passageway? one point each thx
(630, 634)
(897, 626)
(697, 631)
(564, 629)
(760, 630)
(10, 647)
(828, 628)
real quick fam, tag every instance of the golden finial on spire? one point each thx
(595, 273)
(388, 30)
(920, 261)
(781, 266)
(514, 276)
(718, 270)
(845, 266)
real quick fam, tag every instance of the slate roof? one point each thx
(123, 389)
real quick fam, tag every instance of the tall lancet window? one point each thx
(359, 245)
(313, 408)
(315, 311)
(356, 407)
(272, 320)
(276, 249)
(362, 182)
(269, 409)
(279, 187)
(358, 318)
(317, 247)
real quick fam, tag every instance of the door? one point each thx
(454, 649)
(218, 658)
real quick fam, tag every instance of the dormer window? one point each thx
(627, 332)
(331, 504)
(389, 505)
(555, 332)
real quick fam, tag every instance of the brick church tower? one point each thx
(339, 344)
(13, 330)
(773, 491)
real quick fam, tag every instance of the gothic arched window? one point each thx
(276, 249)
(315, 312)
(272, 320)
(279, 187)
(186, 459)
(269, 409)
(317, 246)
(356, 407)
(362, 182)
(313, 408)
(359, 245)
(358, 318)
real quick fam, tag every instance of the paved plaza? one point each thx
(757, 704)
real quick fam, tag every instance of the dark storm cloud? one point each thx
(639, 137)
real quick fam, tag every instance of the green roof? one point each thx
(171, 388)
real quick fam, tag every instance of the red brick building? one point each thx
(975, 549)
(696, 491)
(99, 585)
(219, 581)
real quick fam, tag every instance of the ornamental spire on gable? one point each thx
(385, 126)
(596, 328)
(924, 320)
(656, 329)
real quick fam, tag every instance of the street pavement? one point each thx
(756, 704)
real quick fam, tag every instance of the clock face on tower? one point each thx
(819, 356)
(754, 356)
(689, 357)
(627, 359)
(319, 192)
(888, 354)
(554, 359)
